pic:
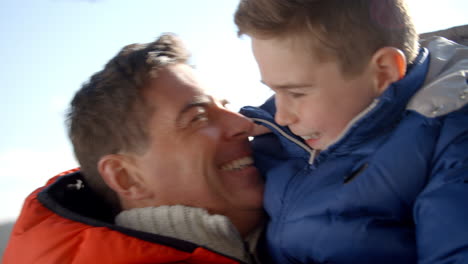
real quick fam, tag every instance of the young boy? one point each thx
(368, 160)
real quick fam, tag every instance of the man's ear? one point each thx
(120, 174)
(389, 65)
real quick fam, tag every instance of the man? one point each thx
(166, 172)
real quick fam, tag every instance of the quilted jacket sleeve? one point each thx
(441, 210)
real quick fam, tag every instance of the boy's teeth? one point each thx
(237, 164)
(313, 136)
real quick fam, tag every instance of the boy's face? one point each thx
(313, 97)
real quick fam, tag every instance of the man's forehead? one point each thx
(174, 83)
(184, 73)
(178, 89)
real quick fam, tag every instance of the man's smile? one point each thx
(237, 164)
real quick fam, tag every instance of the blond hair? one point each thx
(350, 31)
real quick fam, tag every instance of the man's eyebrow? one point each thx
(287, 85)
(200, 100)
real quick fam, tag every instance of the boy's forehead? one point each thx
(307, 44)
(285, 63)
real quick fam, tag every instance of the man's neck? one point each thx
(247, 221)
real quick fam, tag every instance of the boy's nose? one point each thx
(284, 115)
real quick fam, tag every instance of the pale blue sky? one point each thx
(48, 48)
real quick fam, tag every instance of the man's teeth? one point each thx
(237, 164)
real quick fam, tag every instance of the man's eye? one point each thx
(200, 117)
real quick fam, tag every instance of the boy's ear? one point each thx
(120, 174)
(389, 66)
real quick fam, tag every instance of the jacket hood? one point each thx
(459, 34)
(445, 88)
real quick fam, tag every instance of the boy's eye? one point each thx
(296, 95)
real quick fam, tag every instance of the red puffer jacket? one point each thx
(63, 223)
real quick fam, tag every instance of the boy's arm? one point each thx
(441, 210)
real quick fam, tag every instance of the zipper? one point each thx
(312, 152)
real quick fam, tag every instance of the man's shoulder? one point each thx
(54, 227)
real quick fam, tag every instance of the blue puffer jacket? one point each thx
(392, 189)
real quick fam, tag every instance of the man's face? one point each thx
(199, 154)
(313, 98)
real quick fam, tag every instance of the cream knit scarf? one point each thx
(192, 224)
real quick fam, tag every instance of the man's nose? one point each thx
(236, 125)
(284, 115)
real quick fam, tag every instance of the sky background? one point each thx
(48, 48)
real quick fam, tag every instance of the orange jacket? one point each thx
(48, 232)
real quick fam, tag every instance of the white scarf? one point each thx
(192, 224)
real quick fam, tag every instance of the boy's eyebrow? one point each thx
(287, 85)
